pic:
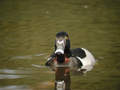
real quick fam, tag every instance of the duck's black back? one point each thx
(78, 52)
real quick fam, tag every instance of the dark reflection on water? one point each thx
(62, 75)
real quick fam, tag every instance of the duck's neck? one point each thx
(60, 58)
(68, 53)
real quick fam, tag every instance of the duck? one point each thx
(78, 59)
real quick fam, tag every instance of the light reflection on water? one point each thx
(11, 71)
(4, 76)
(26, 76)
(27, 56)
(13, 74)
(15, 87)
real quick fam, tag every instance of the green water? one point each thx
(27, 33)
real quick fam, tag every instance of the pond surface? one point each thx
(27, 33)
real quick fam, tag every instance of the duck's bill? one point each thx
(59, 51)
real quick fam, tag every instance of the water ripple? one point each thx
(4, 76)
(27, 56)
(11, 71)
(15, 87)
(22, 57)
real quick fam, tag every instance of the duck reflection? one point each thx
(62, 78)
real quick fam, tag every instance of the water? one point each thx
(27, 33)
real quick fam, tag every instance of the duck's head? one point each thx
(62, 46)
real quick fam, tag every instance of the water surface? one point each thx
(27, 33)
